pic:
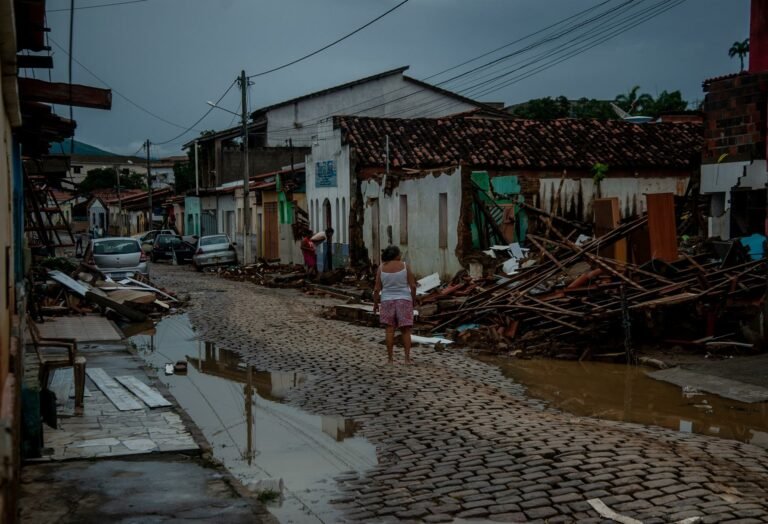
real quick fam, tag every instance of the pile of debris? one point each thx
(573, 300)
(85, 290)
(264, 273)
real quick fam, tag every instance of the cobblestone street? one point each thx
(457, 439)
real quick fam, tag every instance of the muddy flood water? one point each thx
(305, 451)
(625, 393)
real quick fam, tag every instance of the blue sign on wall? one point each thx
(325, 174)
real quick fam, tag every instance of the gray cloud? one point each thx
(170, 56)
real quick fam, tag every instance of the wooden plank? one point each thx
(122, 400)
(662, 230)
(151, 397)
(67, 377)
(607, 216)
(31, 89)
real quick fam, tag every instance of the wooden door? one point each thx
(271, 239)
(376, 243)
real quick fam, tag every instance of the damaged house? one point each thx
(734, 172)
(279, 137)
(444, 188)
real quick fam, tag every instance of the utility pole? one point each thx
(197, 176)
(246, 182)
(149, 185)
(119, 203)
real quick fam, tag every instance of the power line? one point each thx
(97, 5)
(570, 19)
(313, 53)
(118, 93)
(192, 127)
(623, 25)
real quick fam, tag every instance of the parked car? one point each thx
(213, 250)
(172, 247)
(150, 236)
(116, 256)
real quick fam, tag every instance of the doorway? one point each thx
(375, 242)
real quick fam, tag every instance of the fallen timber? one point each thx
(576, 297)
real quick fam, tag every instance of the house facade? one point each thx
(430, 185)
(282, 134)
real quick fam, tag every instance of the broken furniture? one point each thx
(50, 358)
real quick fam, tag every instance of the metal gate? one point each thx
(208, 223)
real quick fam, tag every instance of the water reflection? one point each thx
(620, 392)
(271, 440)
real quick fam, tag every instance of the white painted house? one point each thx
(282, 133)
(415, 183)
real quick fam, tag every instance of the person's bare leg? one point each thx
(390, 344)
(406, 331)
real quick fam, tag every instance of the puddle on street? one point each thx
(305, 451)
(625, 393)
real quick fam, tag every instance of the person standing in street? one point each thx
(309, 252)
(394, 296)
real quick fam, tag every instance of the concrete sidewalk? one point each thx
(744, 379)
(143, 464)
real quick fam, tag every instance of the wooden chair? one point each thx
(50, 358)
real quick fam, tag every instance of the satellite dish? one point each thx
(629, 118)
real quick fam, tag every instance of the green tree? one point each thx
(668, 102)
(741, 49)
(184, 174)
(635, 102)
(592, 108)
(547, 108)
(106, 178)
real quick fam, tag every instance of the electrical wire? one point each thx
(115, 91)
(192, 127)
(568, 20)
(97, 5)
(328, 46)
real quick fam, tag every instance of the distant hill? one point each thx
(81, 149)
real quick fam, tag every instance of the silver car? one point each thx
(213, 250)
(117, 256)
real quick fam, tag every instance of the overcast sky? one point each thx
(171, 56)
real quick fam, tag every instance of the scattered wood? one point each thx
(116, 394)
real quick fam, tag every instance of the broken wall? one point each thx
(734, 152)
(579, 191)
(420, 215)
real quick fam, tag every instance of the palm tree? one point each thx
(633, 102)
(741, 49)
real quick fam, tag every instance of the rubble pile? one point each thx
(263, 274)
(86, 290)
(574, 300)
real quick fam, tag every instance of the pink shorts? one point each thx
(397, 313)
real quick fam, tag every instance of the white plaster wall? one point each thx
(391, 96)
(630, 191)
(422, 252)
(718, 180)
(323, 150)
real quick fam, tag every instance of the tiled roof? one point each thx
(521, 144)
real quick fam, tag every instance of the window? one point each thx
(336, 224)
(212, 240)
(404, 219)
(116, 247)
(443, 221)
(77, 169)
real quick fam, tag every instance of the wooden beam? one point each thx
(34, 90)
(34, 62)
